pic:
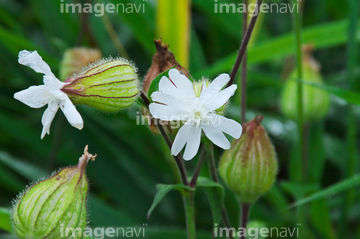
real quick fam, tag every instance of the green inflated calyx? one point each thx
(48, 208)
(315, 102)
(249, 167)
(108, 85)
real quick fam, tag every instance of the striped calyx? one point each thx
(49, 207)
(250, 166)
(109, 85)
(315, 101)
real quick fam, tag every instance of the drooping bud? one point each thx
(108, 85)
(75, 59)
(315, 102)
(48, 207)
(249, 167)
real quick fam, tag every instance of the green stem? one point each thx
(351, 166)
(188, 198)
(215, 178)
(198, 168)
(244, 71)
(301, 143)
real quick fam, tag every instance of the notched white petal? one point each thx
(34, 61)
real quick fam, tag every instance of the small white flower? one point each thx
(176, 100)
(50, 93)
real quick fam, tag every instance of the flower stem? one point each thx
(198, 168)
(188, 198)
(244, 216)
(178, 158)
(244, 44)
(244, 70)
(215, 178)
(298, 42)
(348, 200)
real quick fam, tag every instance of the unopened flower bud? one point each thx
(48, 207)
(75, 59)
(250, 166)
(108, 85)
(315, 101)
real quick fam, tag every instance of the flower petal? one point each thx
(48, 117)
(219, 82)
(182, 83)
(190, 135)
(166, 86)
(166, 113)
(219, 99)
(170, 100)
(53, 86)
(34, 96)
(71, 114)
(230, 127)
(34, 61)
(216, 136)
(193, 143)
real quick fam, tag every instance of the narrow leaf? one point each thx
(162, 190)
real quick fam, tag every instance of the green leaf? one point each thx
(162, 190)
(330, 191)
(349, 96)
(173, 27)
(320, 36)
(5, 219)
(215, 194)
(25, 169)
(154, 86)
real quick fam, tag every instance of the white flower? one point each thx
(50, 93)
(177, 100)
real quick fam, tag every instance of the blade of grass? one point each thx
(173, 26)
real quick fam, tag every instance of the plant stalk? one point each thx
(244, 71)
(244, 217)
(245, 42)
(215, 178)
(300, 123)
(198, 167)
(348, 200)
(188, 198)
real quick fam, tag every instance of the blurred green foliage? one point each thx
(130, 158)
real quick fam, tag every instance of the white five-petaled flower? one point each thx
(177, 100)
(50, 93)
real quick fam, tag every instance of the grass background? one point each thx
(131, 159)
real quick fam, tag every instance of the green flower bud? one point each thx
(315, 102)
(48, 207)
(75, 59)
(109, 85)
(249, 167)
